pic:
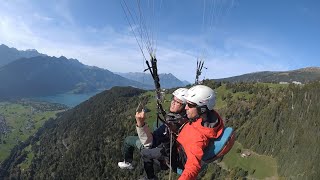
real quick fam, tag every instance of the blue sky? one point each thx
(233, 37)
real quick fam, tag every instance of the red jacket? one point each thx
(194, 138)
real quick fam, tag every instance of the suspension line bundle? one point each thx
(199, 70)
(212, 12)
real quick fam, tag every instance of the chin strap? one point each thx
(173, 117)
(201, 110)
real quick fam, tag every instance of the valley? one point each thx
(21, 119)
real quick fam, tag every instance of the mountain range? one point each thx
(166, 80)
(30, 73)
(8, 55)
(45, 75)
(302, 75)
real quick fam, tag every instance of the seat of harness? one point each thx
(216, 146)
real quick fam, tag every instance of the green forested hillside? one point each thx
(278, 124)
(279, 121)
(85, 142)
(287, 128)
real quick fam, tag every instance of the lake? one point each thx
(68, 99)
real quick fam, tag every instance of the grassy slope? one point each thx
(23, 120)
(262, 166)
(26, 163)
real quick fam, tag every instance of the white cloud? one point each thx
(62, 9)
(119, 52)
(236, 43)
(41, 17)
(15, 32)
(227, 67)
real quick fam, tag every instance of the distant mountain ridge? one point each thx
(166, 80)
(8, 55)
(45, 75)
(302, 75)
(42, 75)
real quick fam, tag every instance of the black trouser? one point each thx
(150, 156)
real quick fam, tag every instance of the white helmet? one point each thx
(180, 94)
(202, 96)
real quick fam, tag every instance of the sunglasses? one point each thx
(191, 105)
(175, 101)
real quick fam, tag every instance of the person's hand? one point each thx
(140, 117)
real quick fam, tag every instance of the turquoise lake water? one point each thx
(68, 99)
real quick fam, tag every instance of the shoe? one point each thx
(125, 165)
